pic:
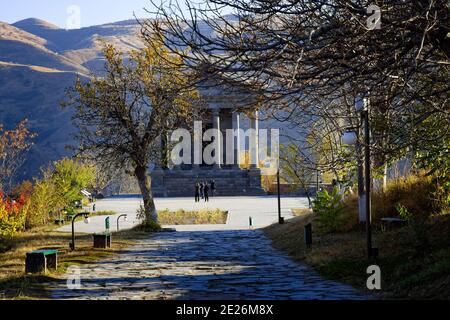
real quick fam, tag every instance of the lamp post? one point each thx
(370, 250)
(351, 138)
(268, 164)
(318, 181)
(121, 216)
(86, 220)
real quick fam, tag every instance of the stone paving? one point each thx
(205, 265)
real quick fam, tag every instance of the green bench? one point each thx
(59, 222)
(41, 260)
(392, 223)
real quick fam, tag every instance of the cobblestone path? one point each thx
(202, 265)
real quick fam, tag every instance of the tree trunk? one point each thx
(305, 188)
(144, 182)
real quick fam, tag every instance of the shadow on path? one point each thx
(203, 265)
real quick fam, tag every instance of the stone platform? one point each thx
(229, 182)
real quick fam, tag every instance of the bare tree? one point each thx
(310, 58)
(122, 116)
(296, 169)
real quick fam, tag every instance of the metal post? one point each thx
(107, 224)
(368, 183)
(317, 183)
(121, 216)
(72, 245)
(361, 191)
(308, 235)
(280, 219)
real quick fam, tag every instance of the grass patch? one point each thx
(15, 284)
(148, 227)
(103, 213)
(183, 217)
(301, 212)
(408, 270)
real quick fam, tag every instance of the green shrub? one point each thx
(146, 226)
(330, 211)
(42, 203)
(85, 202)
(70, 177)
(150, 226)
(59, 188)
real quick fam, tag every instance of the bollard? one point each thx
(375, 252)
(250, 220)
(308, 235)
(107, 224)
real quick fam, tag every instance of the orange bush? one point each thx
(13, 214)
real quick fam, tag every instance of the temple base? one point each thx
(231, 182)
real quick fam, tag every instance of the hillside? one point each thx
(83, 46)
(34, 93)
(38, 62)
(19, 46)
(9, 32)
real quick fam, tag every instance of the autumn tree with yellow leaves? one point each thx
(123, 115)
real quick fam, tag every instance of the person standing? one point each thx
(202, 190)
(206, 192)
(93, 208)
(213, 188)
(197, 192)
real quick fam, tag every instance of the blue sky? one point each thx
(92, 12)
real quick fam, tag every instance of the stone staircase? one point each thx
(229, 182)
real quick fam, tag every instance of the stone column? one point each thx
(237, 146)
(170, 164)
(217, 126)
(197, 145)
(254, 152)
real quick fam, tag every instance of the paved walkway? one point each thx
(209, 265)
(202, 262)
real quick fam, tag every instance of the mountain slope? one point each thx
(9, 32)
(38, 62)
(34, 25)
(21, 47)
(83, 46)
(60, 40)
(35, 93)
(22, 53)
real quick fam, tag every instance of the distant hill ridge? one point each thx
(31, 23)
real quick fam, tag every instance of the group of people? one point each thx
(204, 189)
